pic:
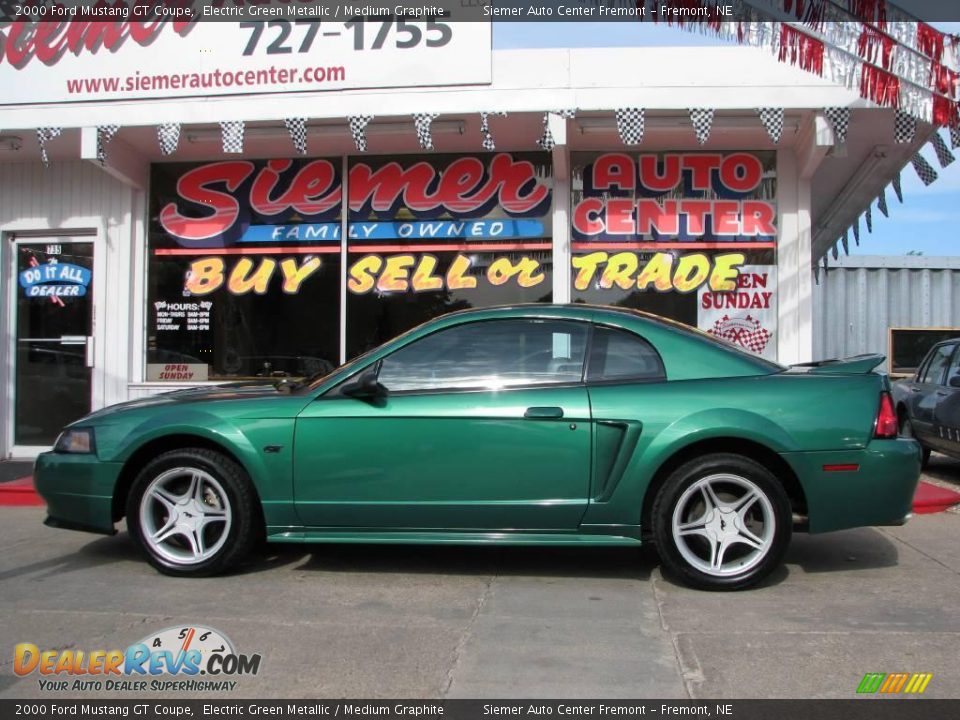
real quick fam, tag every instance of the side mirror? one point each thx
(365, 386)
(954, 381)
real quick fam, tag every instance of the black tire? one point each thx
(742, 473)
(906, 430)
(238, 497)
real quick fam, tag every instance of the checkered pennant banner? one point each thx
(924, 169)
(358, 130)
(297, 127)
(845, 241)
(546, 141)
(882, 202)
(772, 120)
(904, 127)
(835, 252)
(488, 143)
(868, 216)
(423, 123)
(105, 134)
(839, 119)
(702, 119)
(955, 136)
(897, 188)
(856, 231)
(944, 156)
(168, 135)
(630, 125)
(231, 132)
(43, 135)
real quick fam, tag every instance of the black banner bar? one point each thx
(873, 707)
(449, 10)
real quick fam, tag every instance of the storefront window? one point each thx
(689, 236)
(245, 266)
(244, 269)
(438, 233)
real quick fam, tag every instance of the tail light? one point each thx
(886, 425)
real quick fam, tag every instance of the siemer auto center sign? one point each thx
(141, 49)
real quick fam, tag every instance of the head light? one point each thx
(75, 440)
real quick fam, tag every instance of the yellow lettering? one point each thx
(657, 270)
(620, 269)
(586, 267)
(25, 658)
(726, 268)
(456, 279)
(294, 276)
(423, 278)
(395, 274)
(692, 271)
(204, 276)
(362, 273)
(241, 281)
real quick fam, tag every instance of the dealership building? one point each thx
(188, 208)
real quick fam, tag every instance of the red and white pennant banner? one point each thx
(870, 46)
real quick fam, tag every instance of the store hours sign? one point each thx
(46, 59)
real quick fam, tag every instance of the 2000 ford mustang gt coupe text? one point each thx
(539, 424)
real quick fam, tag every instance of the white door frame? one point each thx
(9, 285)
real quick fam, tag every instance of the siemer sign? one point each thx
(46, 60)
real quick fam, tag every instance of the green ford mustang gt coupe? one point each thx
(528, 425)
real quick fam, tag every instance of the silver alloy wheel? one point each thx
(723, 525)
(185, 516)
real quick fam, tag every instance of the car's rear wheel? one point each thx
(906, 430)
(721, 522)
(193, 512)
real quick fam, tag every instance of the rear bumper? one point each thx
(879, 492)
(78, 490)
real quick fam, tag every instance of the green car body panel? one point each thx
(468, 466)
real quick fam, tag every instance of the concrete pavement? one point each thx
(379, 621)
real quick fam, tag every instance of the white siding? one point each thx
(80, 196)
(855, 304)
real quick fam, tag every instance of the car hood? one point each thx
(248, 390)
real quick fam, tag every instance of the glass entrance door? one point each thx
(53, 337)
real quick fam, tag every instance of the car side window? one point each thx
(621, 355)
(937, 364)
(953, 372)
(489, 355)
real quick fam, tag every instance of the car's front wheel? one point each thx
(721, 522)
(193, 512)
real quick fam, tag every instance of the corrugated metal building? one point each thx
(858, 298)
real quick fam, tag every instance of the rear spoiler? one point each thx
(855, 365)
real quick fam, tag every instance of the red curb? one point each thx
(20, 493)
(930, 498)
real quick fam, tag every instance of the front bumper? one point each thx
(879, 492)
(78, 490)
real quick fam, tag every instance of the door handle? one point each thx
(543, 413)
(942, 393)
(914, 389)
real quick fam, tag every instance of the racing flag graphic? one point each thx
(745, 332)
(893, 683)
